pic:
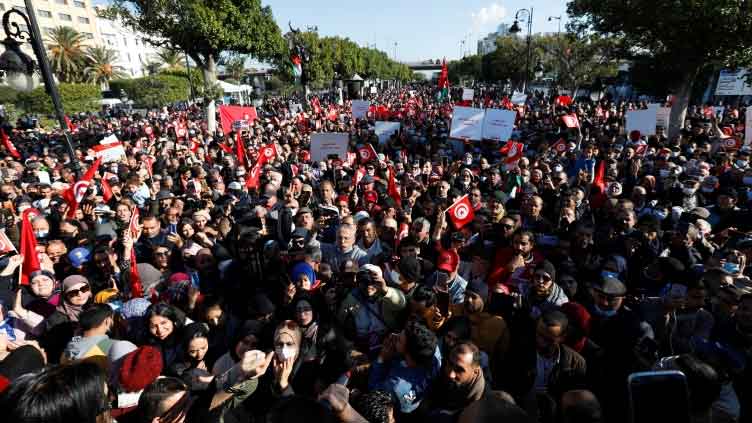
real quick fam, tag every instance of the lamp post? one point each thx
(516, 29)
(17, 64)
(558, 18)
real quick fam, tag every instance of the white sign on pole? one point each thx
(373, 89)
(467, 122)
(360, 109)
(641, 120)
(748, 127)
(733, 82)
(519, 98)
(467, 94)
(498, 124)
(384, 130)
(324, 144)
(663, 116)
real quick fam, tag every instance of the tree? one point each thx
(153, 91)
(100, 67)
(235, 67)
(76, 98)
(66, 53)
(170, 59)
(204, 29)
(577, 60)
(679, 36)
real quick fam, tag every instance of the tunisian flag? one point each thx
(28, 245)
(266, 154)
(461, 212)
(367, 153)
(137, 291)
(392, 189)
(75, 194)
(252, 180)
(234, 118)
(513, 151)
(240, 147)
(598, 190)
(9, 145)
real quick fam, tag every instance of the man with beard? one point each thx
(461, 383)
(543, 294)
(514, 265)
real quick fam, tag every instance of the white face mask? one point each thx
(285, 352)
(688, 191)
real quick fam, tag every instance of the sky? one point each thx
(422, 29)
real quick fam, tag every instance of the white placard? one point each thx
(467, 94)
(324, 144)
(110, 152)
(663, 117)
(519, 98)
(498, 124)
(360, 109)
(373, 89)
(641, 120)
(467, 122)
(748, 126)
(295, 108)
(112, 139)
(384, 130)
(733, 83)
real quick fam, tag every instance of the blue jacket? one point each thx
(406, 384)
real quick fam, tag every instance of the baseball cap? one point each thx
(79, 256)
(448, 261)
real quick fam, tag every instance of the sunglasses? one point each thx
(76, 292)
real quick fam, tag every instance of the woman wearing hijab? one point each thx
(246, 338)
(61, 325)
(318, 336)
(190, 366)
(36, 302)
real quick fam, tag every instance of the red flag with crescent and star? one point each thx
(75, 193)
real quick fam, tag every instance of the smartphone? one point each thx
(659, 396)
(304, 198)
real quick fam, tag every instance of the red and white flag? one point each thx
(513, 151)
(240, 150)
(5, 245)
(267, 154)
(28, 245)
(560, 146)
(71, 126)
(9, 145)
(461, 212)
(252, 179)
(76, 193)
(358, 175)
(571, 120)
(367, 153)
(640, 149)
(392, 189)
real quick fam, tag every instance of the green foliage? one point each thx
(153, 91)
(76, 98)
(8, 95)
(235, 67)
(341, 57)
(170, 59)
(274, 84)
(66, 53)
(417, 76)
(100, 67)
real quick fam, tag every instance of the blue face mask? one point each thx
(607, 274)
(731, 267)
(604, 313)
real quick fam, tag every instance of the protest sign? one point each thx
(467, 123)
(373, 89)
(733, 82)
(641, 120)
(296, 108)
(498, 124)
(663, 117)
(384, 130)
(519, 98)
(360, 109)
(467, 94)
(325, 144)
(110, 149)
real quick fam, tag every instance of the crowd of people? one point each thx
(194, 279)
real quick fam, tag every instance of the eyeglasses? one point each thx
(76, 292)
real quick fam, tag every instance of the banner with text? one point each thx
(498, 124)
(325, 144)
(360, 109)
(467, 123)
(467, 94)
(733, 82)
(641, 120)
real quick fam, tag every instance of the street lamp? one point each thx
(19, 67)
(515, 29)
(558, 18)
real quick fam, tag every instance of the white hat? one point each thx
(235, 185)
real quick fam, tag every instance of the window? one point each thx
(2, 6)
(64, 17)
(88, 35)
(61, 1)
(129, 56)
(125, 41)
(44, 13)
(79, 3)
(47, 30)
(83, 20)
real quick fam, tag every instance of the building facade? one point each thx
(487, 44)
(133, 52)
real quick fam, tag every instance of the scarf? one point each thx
(69, 310)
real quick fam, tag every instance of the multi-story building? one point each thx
(133, 52)
(78, 14)
(487, 44)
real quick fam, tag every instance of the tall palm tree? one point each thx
(66, 53)
(101, 68)
(235, 68)
(171, 59)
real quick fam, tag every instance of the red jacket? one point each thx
(510, 281)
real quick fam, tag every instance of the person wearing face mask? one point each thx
(41, 228)
(618, 330)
